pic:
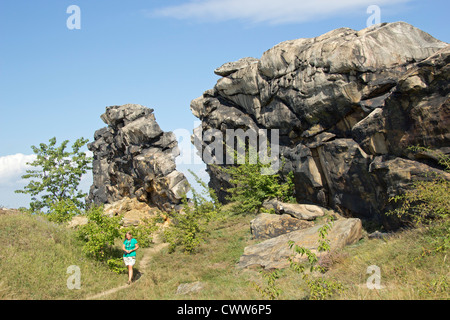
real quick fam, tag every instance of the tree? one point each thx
(54, 182)
(251, 187)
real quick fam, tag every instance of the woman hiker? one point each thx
(129, 247)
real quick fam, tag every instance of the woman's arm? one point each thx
(123, 248)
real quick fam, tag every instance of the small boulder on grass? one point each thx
(300, 211)
(266, 225)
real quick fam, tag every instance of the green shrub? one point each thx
(143, 232)
(116, 265)
(188, 229)
(62, 210)
(319, 288)
(99, 234)
(251, 187)
(269, 290)
(206, 202)
(428, 200)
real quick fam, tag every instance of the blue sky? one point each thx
(57, 82)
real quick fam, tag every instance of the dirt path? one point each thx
(143, 264)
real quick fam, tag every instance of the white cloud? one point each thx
(274, 12)
(12, 167)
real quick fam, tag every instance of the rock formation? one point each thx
(347, 105)
(134, 158)
(134, 212)
(274, 253)
(299, 223)
(266, 225)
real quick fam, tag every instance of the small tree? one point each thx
(250, 186)
(54, 182)
(319, 288)
(189, 230)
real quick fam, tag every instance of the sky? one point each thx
(61, 66)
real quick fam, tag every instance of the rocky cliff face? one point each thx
(347, 105)
(134, 158)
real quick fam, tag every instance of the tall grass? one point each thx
(35, 255)
(411, 267)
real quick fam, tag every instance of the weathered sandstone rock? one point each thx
(274, 253)
(266, 225)
(134, 158)
(300, 211)
(340, 102)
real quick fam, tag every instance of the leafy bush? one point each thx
(319, 287)
(251, 187)
(206, 202)
(426, 201)
(188, 230)
(62, 210)
(116, 265)
(99, 233)
(54, 183)
(270, 290)
(143, 232)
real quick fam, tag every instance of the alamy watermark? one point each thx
(374, 280)
(375, 15)
(74, 281)
(74, 20)
(233, 146)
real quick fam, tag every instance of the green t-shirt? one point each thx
(130, 245)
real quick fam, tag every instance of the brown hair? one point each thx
(128, 232)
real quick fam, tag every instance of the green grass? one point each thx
(35, 254)
(412, 266)
(213, 264)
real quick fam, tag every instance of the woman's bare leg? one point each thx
(130, 273)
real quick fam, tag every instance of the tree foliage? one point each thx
(99, 233)
(53, 183)
(251, 187)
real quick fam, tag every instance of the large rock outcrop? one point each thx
(134, 158)
(347, 105)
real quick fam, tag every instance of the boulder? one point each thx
(266, 225)
(132, 211)
(134, 158)
(274, 253)
(307, 212)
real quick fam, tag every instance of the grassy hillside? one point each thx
(413, 264)
(35, 255)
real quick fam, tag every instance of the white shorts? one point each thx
(129, 261)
